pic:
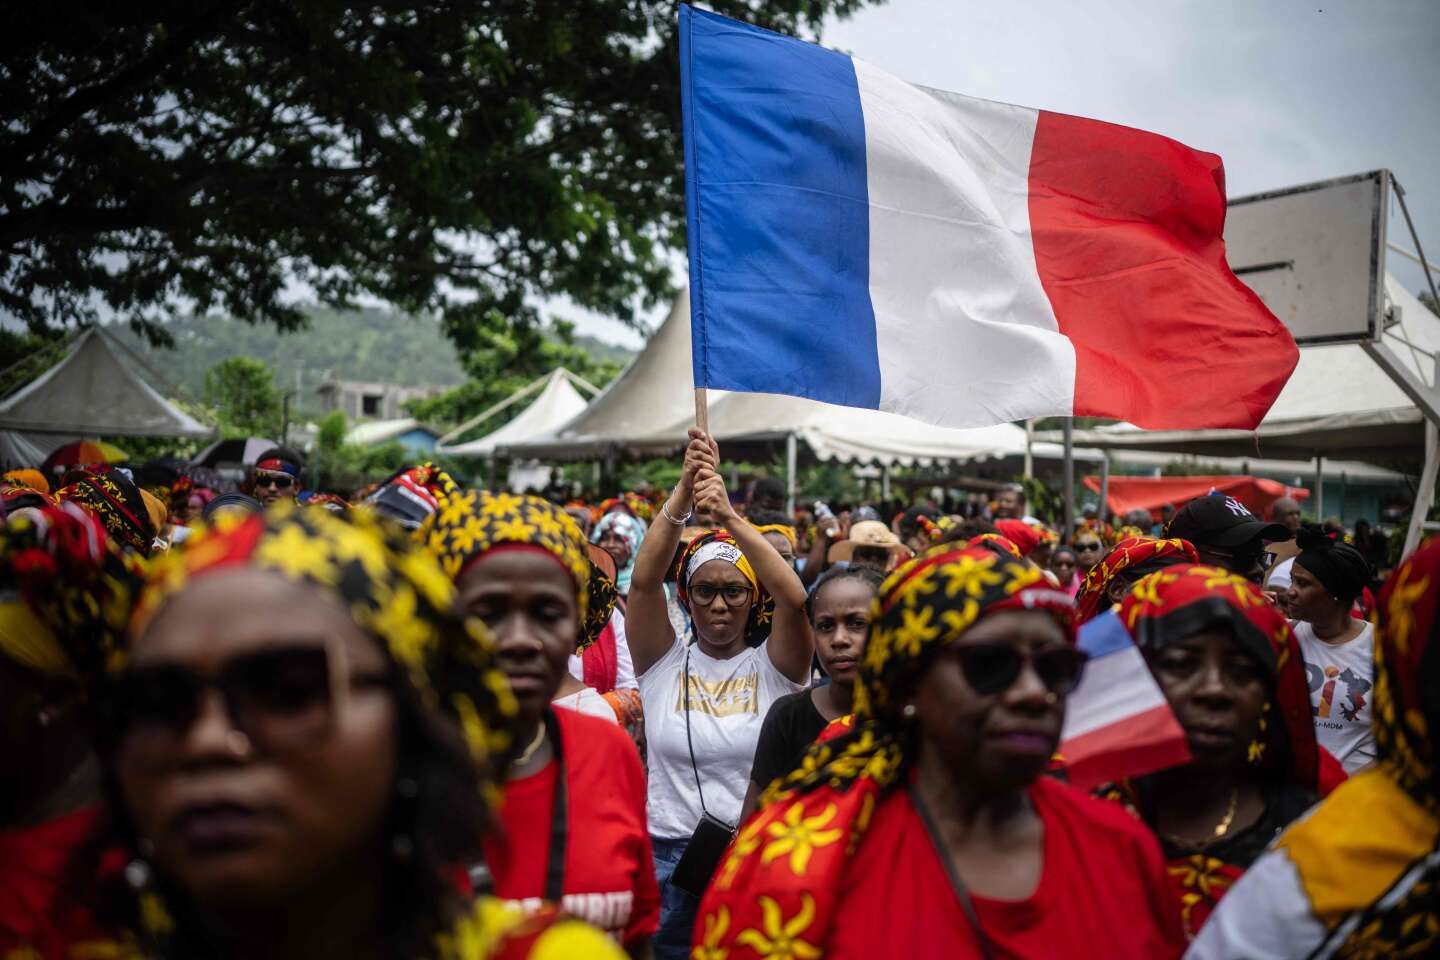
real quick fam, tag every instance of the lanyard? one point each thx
(481, 879)
(559, 816)
(932, 830)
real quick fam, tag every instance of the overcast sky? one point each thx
(1286, 92)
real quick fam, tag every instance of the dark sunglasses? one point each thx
(992, 668)
(1087, 546)
(280, 481)
(281, 698)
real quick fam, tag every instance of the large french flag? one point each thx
(864, 241)
(1117, 722)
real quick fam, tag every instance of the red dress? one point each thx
(609, 870)
(1103, 892)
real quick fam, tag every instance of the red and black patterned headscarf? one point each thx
(1183, 600)
(116, 500)
(1407, 676)
(1131, 557)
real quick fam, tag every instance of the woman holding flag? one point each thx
(929, 830)
(706, 694)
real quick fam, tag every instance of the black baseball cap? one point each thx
(1220, 521)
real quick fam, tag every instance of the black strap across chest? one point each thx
(932, 830)
(559, 816)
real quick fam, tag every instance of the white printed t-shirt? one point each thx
(728, 702)
(1341, 678)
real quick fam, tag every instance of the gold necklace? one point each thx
(1223, 827)
(529, 752)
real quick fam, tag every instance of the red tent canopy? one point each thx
(1152, 493)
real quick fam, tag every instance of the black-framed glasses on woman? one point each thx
(281, 698)
(733, 594)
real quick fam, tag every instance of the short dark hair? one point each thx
(867, 575)
(765, 518)
(767, 488)
(910, 520)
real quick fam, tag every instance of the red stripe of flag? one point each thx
(1127, 229)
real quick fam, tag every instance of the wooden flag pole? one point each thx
(702, 412)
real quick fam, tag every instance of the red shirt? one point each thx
(609, 873)
(1103, 891)
(33, 863)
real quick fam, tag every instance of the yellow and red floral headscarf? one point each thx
(468, 524)
(1128, 554)
(782, 873)
(391, 587)
(720, 545)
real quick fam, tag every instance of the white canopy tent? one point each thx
(94, 391)
(558, 403)
(648, 409)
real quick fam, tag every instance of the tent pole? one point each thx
(1319, 489)
(790, 458)
(1069, 516)
(1103, 513)
(885, 482)
(1029, 451)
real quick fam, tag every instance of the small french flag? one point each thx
(1117, 722)
(863, 241)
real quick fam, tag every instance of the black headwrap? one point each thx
(1340, 568)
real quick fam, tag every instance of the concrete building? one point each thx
(362, 400)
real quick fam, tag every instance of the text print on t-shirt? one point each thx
(722, 698)
(608, 911)
(1342, 694)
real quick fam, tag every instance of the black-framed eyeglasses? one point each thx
(280, 481)
(992, 668)
(282, 698)
(733, 594)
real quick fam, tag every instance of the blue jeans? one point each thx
(677, 907)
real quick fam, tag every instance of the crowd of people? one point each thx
(431, 721)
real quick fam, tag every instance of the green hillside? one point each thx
(363, 345)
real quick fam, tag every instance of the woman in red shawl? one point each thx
(928, 830)
(1231, 669)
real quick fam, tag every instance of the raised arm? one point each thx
(647, 619)
(791, 644)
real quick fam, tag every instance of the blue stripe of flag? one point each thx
(776, 205)
(1104, 635)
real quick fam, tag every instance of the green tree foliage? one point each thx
(454, 156)
(242, 392)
